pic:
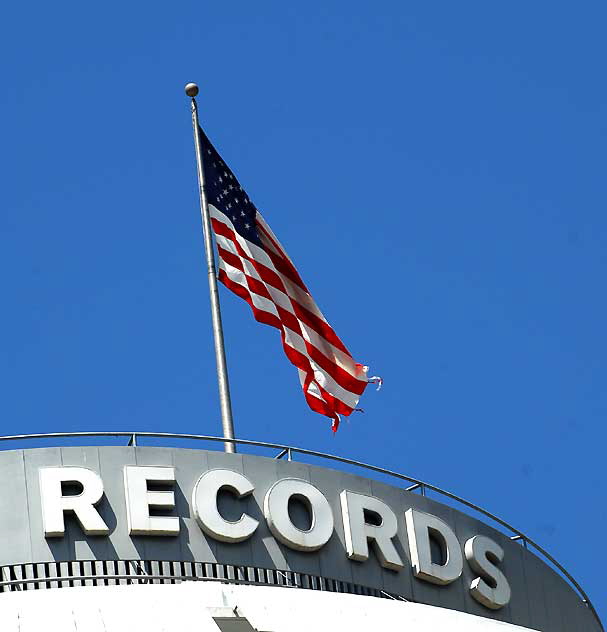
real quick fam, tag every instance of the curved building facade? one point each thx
(175, 538)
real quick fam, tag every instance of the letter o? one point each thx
(276, 511)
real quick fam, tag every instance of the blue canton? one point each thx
(224, 192)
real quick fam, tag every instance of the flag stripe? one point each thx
(299, 290)
(304, 341)
(271, 294)
(272, 278)
(284, 260)
(269, 258)
(341, 400)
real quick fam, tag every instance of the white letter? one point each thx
(204, 505)
(358, 532)
(54, 503)
(276, 510)
(491, 588)
(139, 500)
(420, 527)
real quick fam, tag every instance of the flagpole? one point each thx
(225, 402)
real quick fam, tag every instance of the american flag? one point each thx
(254, 265)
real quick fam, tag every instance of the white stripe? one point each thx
(253, 250)
(333, 354)
(312, 387)
(237, 276)
(294, 340)
(268, 244)
(263, 222)
(258, 254)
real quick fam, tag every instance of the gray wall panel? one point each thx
(400, 583)
(82, 547)
(240, 553)
(333, 553)
(552, 583)
(567, 601)
(467, 527)
(581, 620)
(268, 553)
(513, 568)
(188, 467)
(451, 596)
(158, 547)
(296, 560)
(15, 535)
(112, 462)
(368, 572)
(42, 549)
(535, 573)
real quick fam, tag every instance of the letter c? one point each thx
(204, 505)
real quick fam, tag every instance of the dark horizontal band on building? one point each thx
(45, 575)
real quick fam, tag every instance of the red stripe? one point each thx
(341, 376)
(260, 315)
(281, 261)
(236, 262)
(267, 274)
(331, 404)
(272, 278)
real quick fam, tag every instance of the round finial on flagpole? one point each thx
(191, 89)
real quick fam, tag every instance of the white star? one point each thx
(242, 213)
(231, 177)
(225, 173)
(225, 191)
(233, 218)
(247, 226)
(220, 179)
(209, 152)
(229, 206)
(236, 201)
(230, 187)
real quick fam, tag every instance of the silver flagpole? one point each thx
(191, 90)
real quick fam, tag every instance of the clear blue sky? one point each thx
(436, 171)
